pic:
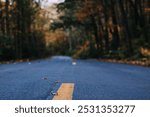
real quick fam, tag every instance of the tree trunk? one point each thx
(106, 32)
(7, 17)
(96, 33)
(116, 38)
(2, 23)
(126, 28)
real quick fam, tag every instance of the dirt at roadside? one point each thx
(142, 62)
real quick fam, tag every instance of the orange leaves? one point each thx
(88, 8)
(81, 15)
(145, 51)
(147, 10)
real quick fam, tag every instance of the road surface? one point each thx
(92, 80)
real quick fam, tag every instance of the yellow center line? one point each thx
(65, 92)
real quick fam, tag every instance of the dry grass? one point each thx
(53, 36)
(81, 49)
(145, 52)
(142, 62)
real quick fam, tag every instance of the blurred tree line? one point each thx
(105, 28)
(85, 29)
(19, 34)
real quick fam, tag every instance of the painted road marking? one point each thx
(65, 92)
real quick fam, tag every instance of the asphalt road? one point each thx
(93, 80)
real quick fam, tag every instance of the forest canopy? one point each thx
(107, 28)
(84, 29)
(19, 35)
